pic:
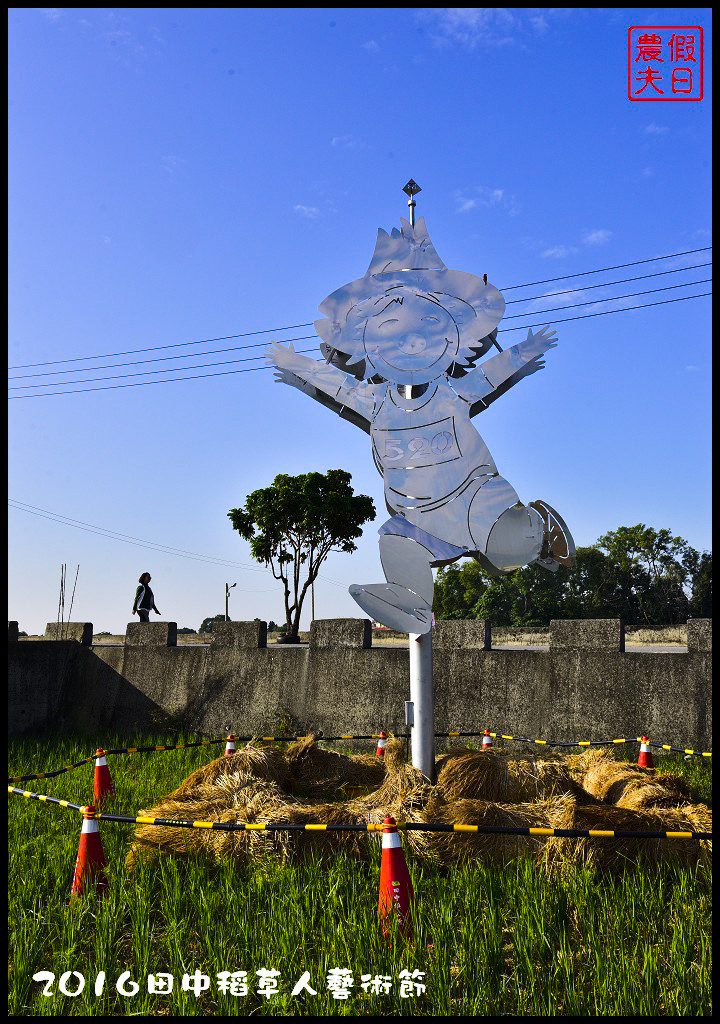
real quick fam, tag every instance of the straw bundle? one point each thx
(313, 770)
(616, 854)
(404, 790)
(623, 784)
(251, 761)
(496, 775)
(450, 848)
(256, 802)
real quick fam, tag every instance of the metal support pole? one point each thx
(422, 730)
(411, 190)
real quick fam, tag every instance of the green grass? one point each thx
(491, 940)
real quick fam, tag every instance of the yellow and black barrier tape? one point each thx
(184, 746)
(44, 799)
(358, 736)
(414, 826)
(579, 743)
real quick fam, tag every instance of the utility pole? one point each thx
(228, 588)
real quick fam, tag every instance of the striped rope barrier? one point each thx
(49, 799)
(580, 743)
(183, 746)
(359, 736)
(414, 826)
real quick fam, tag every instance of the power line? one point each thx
(165, 549)
(618, 266)
(586, 316)
(607, 284)
(164, 359)
(158, 348)
(308, 337)
(253, 369)
(125, 538)
(292, 327)
(147, 373)
(597, 302)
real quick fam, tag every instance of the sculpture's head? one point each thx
(410, 319)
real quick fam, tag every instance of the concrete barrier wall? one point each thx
(584, 687)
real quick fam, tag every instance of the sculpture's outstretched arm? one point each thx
(353, 400)
(498, 369)
(486, 383)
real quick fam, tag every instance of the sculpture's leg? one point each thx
(503, 529)
(509, 534)
(516, 539)
(405, 601)
(558, 546)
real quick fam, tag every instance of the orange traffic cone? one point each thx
(645, 759)
(381, 744)
(487, 740)
(396, 890)
(90, 859)
(230, 745)
(103, 780)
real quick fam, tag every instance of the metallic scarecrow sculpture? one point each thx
(400, 345)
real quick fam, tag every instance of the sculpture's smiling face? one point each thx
(409, 338)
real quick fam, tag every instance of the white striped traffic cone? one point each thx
(90, 859)
(396, 889)
(381, 744)
(103, 786)
(645, 759)
(487, 740)
(230, 745)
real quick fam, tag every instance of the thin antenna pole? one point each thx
(61, 607)
(73, 594)
(59, 603)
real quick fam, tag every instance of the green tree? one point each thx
(294, 524)
(458, 588)
(635, 572)
(699, 566)
(207, 624)
(647, 574)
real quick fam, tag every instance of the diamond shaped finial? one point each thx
(412, 188)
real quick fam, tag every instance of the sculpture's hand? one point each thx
(282, 355)
(538, 344)
(538, 363)
(285, 376)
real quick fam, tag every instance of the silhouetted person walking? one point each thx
(144, 601)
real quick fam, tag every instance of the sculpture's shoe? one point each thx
(558, 546)
(394, 605)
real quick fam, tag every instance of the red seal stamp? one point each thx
(665, 63)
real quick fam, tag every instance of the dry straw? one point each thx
(306, 784)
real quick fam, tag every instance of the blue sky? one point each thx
(184, 174)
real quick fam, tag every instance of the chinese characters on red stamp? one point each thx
(665, 63)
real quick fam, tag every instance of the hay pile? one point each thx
(308, 784)
(625, 785)
(496, 775)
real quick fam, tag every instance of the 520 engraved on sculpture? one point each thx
(401, 346)
(416, 449)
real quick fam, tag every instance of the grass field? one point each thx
(489, 940)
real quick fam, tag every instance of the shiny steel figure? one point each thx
(400, 345)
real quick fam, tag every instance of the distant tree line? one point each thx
(642, 575)
(207, 625)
